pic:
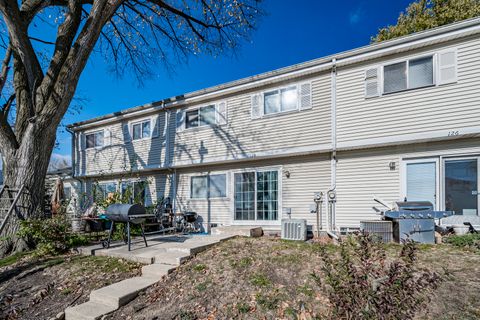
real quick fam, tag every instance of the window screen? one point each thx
(395, 77)
(289, 98)
(192, 119)
(218, 186)
(420, 72)
(146, 129)
(137, 131)
(199, 187)
(207, 115)
(272, 102)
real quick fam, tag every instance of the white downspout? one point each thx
(333, 161)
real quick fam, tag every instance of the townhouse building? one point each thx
(394, 120)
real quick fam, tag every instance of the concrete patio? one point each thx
(163, 254)
(161, 248)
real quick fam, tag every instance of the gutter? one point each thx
(417, 40)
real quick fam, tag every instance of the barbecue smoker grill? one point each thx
(414, 220)
(126, 213)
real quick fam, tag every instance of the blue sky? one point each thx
(290, 33)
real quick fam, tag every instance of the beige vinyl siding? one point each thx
(123, 157)
(308, 174)
(447, 107)
(363, 174)
(242, 136)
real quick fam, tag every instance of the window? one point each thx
(94, 139)
(200, 117)
(141, 130)
(134, 191)
(256, 195)
(102, 190)
(211, 186)
(410, 74)
(280, 100)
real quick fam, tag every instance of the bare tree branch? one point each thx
(5, 68)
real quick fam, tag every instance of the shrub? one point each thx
(50, 236)
(361, 284)
(471, 241)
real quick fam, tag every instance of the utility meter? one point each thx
(332, 195)
(318, 197)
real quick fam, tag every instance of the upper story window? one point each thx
(141, 130)
(203, 116)
(436, 69)
(209, 186)
(280, 100)
(289, 98)
(410, 74)
(94, 139)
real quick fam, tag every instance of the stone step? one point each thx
(157, 271)
(88, 311)
(120, 293)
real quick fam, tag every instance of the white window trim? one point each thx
(94, 132)
(434, 56)
(403, 178)
(277, 222)
(140, 121)
(227, 185)
(199, 127)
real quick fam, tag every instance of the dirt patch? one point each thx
(271, 279)
(42, 288)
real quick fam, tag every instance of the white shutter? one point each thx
(107, 137)
(221, 113)
(372, 83)
(305, 95)
(180, 120)
(126, 133)
(257, 106)
(82, 143)
(155, 124)
(447, 66)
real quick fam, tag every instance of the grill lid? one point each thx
(414, 205)
(125, 212)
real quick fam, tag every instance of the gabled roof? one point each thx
(372, 51)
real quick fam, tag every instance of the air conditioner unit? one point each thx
(382, 230)
(294, 229)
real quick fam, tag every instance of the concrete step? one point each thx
(157, 271)
(88, 311)
(172, 258)
(238, 230)
(120, 293)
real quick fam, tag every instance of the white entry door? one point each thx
(421, 180)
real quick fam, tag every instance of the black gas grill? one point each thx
(414, 220)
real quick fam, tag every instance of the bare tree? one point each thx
(133, 34)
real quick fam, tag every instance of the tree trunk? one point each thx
(27, 166)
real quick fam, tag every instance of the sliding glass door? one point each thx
(256, 196)
(461, 186)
